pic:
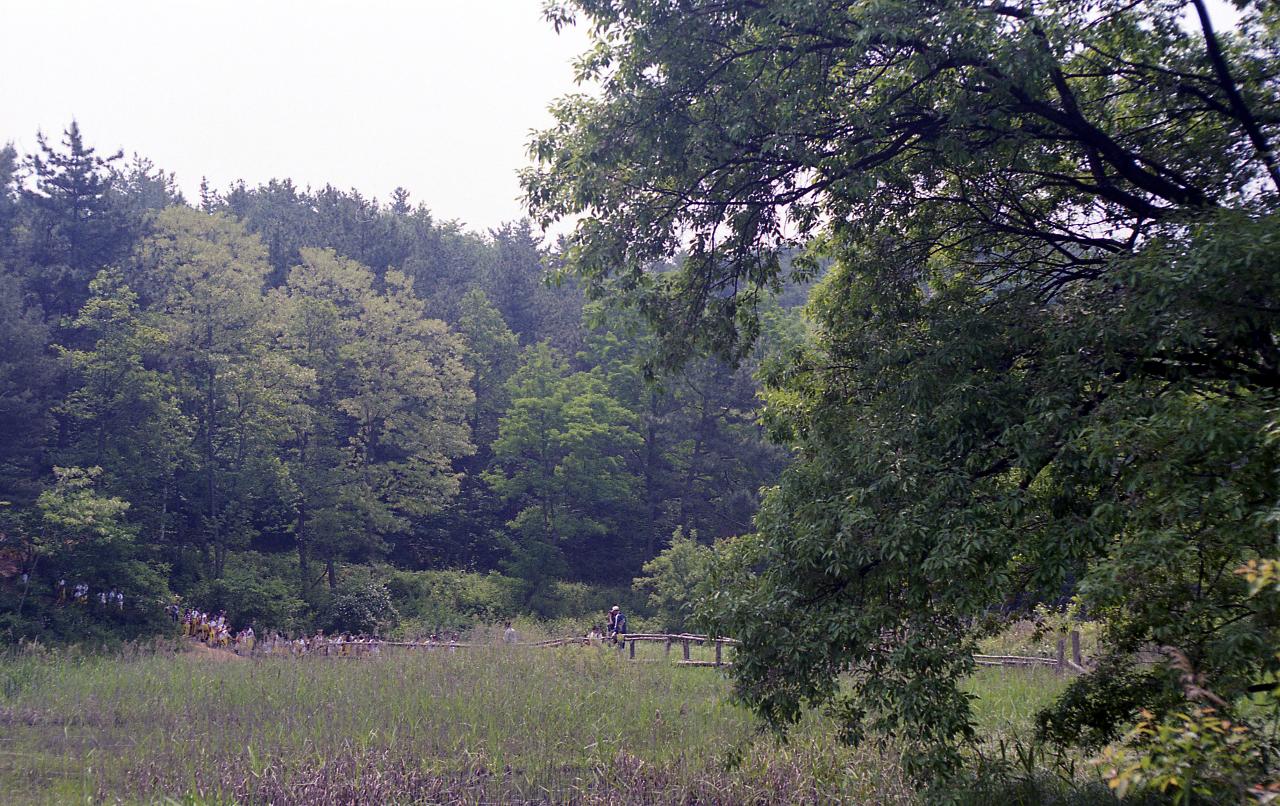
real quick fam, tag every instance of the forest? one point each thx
(879, 338)
(289, 403)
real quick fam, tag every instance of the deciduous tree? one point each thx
(1045, 350)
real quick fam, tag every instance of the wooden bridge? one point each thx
(1061, 661)
(686, 641)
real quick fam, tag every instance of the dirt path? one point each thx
(205, 652)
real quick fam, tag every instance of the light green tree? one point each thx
(676, 579)
(201, 276)
(85, 534)
(382, 415)
(123, 414)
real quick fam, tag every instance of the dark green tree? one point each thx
(75, 229)
(10, 204)
(1044, 353)
(139, 187)
(492, 353)
(560, 461)
(28, 390)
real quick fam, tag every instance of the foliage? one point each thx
(560, 462)
(27, 380)
(1196, 757)
(358, 606)
(200, 276)
(675, 579)
(1042, 358)
(256, 590)
(491, 354)
(122, 413)
(380, 414)
(291, 384)
(84, 533)
(1094, 706)
(1211, 750)
(81, 535)
(73, 227)
(453, 598)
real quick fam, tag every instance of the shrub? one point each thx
(675, 578)
(258, 589)
(359, 606)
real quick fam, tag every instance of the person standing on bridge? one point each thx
(618, 626)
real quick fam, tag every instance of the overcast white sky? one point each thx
(436, 95)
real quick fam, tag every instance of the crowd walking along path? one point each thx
(210, 632)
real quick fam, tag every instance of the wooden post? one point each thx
(1075, 648)
(668, 647)
(1062, 654)
(633, 649)
(685, 645)
(718, 645)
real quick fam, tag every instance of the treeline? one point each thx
(259, 399)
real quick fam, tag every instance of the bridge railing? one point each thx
(686, 641)
(1061, 660)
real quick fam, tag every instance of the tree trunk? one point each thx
(304, 568)
(211, 486)
(652, 456)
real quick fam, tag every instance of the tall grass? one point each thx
(476, 726)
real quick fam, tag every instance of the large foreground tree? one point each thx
(1045, 355)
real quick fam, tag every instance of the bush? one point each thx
(359, 606)
(430, 601)
(675, 578)
(257, 589)
(453, 598)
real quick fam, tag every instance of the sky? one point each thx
(437, 96)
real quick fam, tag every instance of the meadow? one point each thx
(482, 725)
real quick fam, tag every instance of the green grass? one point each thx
(481, 725)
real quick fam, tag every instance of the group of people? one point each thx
(80, 594)
(341, 645)
(615, 630)
(213, 630)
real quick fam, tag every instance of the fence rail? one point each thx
(627, 643)
(1062, 661)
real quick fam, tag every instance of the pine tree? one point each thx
(76, 229)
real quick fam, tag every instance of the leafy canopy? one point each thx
(1044, 353)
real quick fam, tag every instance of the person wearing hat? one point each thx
(617, 625)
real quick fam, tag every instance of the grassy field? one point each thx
(483, 725)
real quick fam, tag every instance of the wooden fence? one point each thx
(628, 644)
(683, 640)
(1061, 660)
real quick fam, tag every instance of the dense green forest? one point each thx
(877, 328)
(277, 399)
